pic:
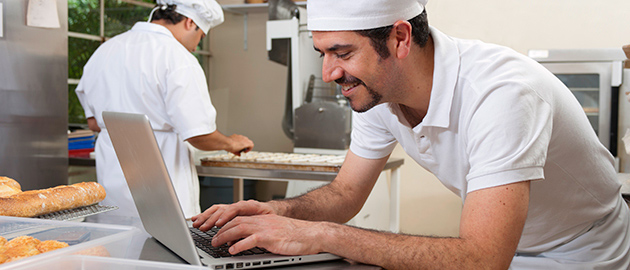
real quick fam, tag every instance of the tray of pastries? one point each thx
(276, 160)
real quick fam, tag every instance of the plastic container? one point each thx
(83, 238)
(75, 262)
(80, 153)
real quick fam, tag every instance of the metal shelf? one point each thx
(584, 89)
(245, 9)
(253, 8)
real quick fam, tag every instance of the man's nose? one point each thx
(331, 71)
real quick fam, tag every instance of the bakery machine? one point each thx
(317, 117)
(599, 81)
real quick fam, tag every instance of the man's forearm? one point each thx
(321, 204)
(210, 142)
(217, 141)
(490, 229)
(398, 251)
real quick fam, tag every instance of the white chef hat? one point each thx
(205, 13)
(347, 15)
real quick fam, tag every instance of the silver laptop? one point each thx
(159, 209)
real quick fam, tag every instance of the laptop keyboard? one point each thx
(203, 241)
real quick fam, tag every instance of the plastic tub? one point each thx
(83, 238)
(75, 262)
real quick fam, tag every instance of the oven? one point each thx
(595, 77)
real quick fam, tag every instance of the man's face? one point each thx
(191, 38)
(350, 60)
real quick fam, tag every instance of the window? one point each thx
(92, 22)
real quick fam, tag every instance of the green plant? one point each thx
(84, 18)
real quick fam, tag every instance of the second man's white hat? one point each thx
(205, 13)
(347, 15)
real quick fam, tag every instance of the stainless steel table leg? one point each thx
(237, 194)
(394, 201)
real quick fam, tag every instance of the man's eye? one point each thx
(343, 55)
(321, 55)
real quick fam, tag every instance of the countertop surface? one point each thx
(144, 247)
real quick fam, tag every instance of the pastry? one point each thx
(25, 246)
(21, 246)
(50, 245)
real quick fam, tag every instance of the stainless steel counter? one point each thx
(280, 175)
(239, 174)
(145, 247)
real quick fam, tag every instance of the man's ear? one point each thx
(401, 33)
(189, 24)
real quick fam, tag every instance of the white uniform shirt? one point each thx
(146, 70)
(497, 117)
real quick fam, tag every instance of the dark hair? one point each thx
(378, 36)
(167, 14)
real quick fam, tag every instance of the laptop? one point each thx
(162, 217)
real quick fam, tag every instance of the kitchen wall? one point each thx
(33, 97)
(535, 24)
(248, 90)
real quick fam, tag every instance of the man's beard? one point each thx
(376, 97)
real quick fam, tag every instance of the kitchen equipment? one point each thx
(317, 117)
(324, 120)
(595, 77)
(624, 117)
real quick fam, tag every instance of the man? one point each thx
(150, 70)
(496, 128)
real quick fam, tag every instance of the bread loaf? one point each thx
(9, 187)
(9, 182)
(39, 202)
(6, 191)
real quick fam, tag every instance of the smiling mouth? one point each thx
(347, 88)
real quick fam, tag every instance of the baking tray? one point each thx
(77, 213)
(260, 161)
(272, 166)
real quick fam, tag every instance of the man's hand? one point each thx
(235, 143)
(93, 125)
(220, 214)
(239, 144)
(280, 235)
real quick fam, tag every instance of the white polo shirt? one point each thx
(146, 70)
(497, 117)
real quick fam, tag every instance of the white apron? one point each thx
(178, 163)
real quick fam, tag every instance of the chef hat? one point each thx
(205, 13)
(347, 15)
